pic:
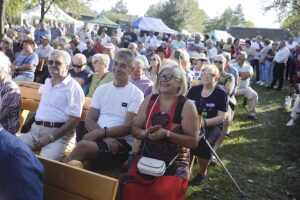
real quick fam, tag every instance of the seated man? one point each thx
(81, 72)
(139, 79)
(112, 109)
(59, 110)
(20, 171)
(244, 89)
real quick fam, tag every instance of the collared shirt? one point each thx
(55, 32)
(144, 84)
(245, 68)
(282, 55)
(9, 105)
(61, 101)
(151, 42)
(44, 51)
(20, 171)
(85, 75)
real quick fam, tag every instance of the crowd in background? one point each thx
(214, 74)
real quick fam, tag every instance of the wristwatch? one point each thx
(51, 138)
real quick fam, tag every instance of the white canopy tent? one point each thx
(54, 13)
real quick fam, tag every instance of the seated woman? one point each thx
(7, 48)
(101, 75)
(9, 97)
(168, 125)
(26, 62)
(226, 81)
(212, 103)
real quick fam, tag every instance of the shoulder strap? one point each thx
(177, 116)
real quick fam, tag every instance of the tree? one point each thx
(179, 14)
(120, 7)
(288, 12)
(2, 10)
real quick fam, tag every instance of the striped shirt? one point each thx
(9, 105)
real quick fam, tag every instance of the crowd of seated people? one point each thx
(160, 96)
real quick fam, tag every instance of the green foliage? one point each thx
(120, 7)
(228, 18)
(293, 23)
(179, 14)
(13, 9)
(115, 16)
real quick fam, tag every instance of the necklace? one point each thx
(209, 92)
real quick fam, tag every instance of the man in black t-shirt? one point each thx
(128, 37)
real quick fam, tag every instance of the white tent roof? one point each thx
(54, 13)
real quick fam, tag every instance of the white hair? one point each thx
(4, 65)
(61, 53)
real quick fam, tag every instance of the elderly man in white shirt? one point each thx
(134, 49)
(245, 72)
(44, 49)
(178, 43)
(59, 110)
(280, 60)
(150, 42)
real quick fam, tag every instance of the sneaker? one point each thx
(76, 163)
(258, 82)
(291, 123)
(262, 83)
(198, 180)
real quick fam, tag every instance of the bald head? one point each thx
(79, 61)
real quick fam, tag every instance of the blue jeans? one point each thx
(262, 75)
(269, 71)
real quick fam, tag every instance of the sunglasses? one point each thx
(165, 77)
(78, 66)
(56, 63)
(218, 62)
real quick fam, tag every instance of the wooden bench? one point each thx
(64, 182)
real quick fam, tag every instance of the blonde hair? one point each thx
(102, 58)
(157, 57)
(178, 71)
(213, 68)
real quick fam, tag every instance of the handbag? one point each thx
(152, 166)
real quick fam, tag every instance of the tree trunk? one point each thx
(42, 10)
(2, 19)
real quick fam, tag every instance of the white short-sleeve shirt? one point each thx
(115, 102)
(61, 101)
(245, 68)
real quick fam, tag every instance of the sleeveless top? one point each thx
(164, 149)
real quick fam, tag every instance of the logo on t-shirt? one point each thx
(124, 105)
(210, 106)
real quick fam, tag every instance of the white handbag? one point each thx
(152, 167)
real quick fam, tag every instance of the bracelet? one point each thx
(105, 131)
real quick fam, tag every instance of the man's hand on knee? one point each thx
(112, 144)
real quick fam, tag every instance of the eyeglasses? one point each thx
(202, 60)
(56, 63)
(165, 77)
(6, 42)
(154, 59)
(78, 66)
(218, 62)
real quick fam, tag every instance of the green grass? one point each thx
(263, 156)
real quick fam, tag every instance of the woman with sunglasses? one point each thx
(167, 123)
(155, 63)
(101, 74)
(211, 101)
(7, 48)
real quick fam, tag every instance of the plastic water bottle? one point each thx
(288, 102)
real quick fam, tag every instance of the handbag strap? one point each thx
(147, 122)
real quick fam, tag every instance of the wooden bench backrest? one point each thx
(62, 181)
(30, 99)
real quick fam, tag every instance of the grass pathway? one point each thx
(263, 156)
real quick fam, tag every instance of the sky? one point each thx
(252, 9)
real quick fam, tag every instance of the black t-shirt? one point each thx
(218, 100)
(127, 38)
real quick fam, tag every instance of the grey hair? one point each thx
(4, 65)
(102, 58)
(125, 54)
(61, 53)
